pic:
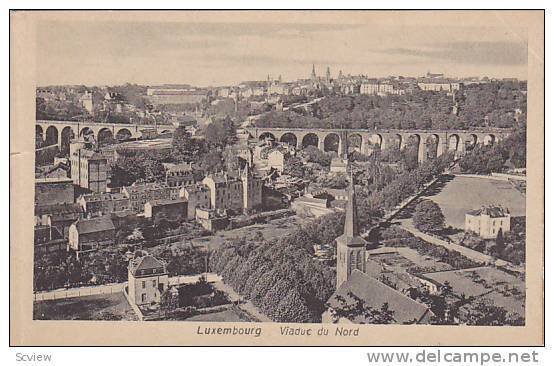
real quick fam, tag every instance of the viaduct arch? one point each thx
(430, 143)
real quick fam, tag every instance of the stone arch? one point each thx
(376, 141)
(289, 138)
(398, 141)
(414, 141)
(470, 141)
(453, 142)
(105, 136)
(86, 131)
(39, 136)
(310, 139)
(123, 134)
(489, 139)
(355, 142)
(51, 136)
(432, 144)
(65, 138)
(331, 142)
(266, 135)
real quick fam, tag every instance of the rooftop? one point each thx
(145, 263)
(492, 211)
(94, 225)
(374, 294)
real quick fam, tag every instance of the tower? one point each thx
(251, 190)
(328, 75)
(313, 75)
(350, 245)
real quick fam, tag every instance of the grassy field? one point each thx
(505, 290)
(462, 194)
(95, 307)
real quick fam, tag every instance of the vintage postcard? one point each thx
(277, 178)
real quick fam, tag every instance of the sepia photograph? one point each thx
(224, 172)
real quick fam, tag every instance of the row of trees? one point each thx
(485, 159)
(280, 276)
(493, 104)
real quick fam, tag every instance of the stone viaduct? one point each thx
(365, 140)
(61, 132)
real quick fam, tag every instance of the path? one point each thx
(111, 288)
(468, 252)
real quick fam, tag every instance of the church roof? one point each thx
(374, 294)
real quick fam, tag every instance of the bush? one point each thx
(428, 216)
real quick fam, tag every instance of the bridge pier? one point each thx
(421, 152)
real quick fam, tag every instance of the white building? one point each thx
(488, 221)
(148, 280)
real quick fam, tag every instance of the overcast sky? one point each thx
(223, 53)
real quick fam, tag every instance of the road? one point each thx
(112, 288)
(468, 252)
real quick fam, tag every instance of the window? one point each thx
(154, 283)
(143, 297)
(143, 284)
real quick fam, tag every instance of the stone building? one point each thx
(102, 203)
(488, 221)
(140, 193)
(171, 209)
(53, 191)
(179, 175)
(197, 196)
(241, 193)
(147, 280)
(86, 235)
(89, 169)
(60, 216)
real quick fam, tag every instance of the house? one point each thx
(87, 235)
(241, 193)
(170, 209)
(212, 220)
(101, 203)
(147, 280)
(374, 294)
(197, 196)
(60, 216)
(140, 193)
(48, 239)
(488, 221)
(179, 175)
(53, 191)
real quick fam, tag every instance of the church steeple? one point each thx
(313, 75)
(350, 245)
(351, 219)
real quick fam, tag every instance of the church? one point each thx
(356, 289)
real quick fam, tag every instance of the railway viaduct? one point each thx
(366, 140)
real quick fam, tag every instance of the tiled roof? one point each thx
(58, 209)
(374, 294)
(97, 224)
(145, 263)
(492, 211)
(167, 202)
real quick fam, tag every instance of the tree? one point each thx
(428, 216)
(183, 147)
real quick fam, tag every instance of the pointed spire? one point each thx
(351, 220)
